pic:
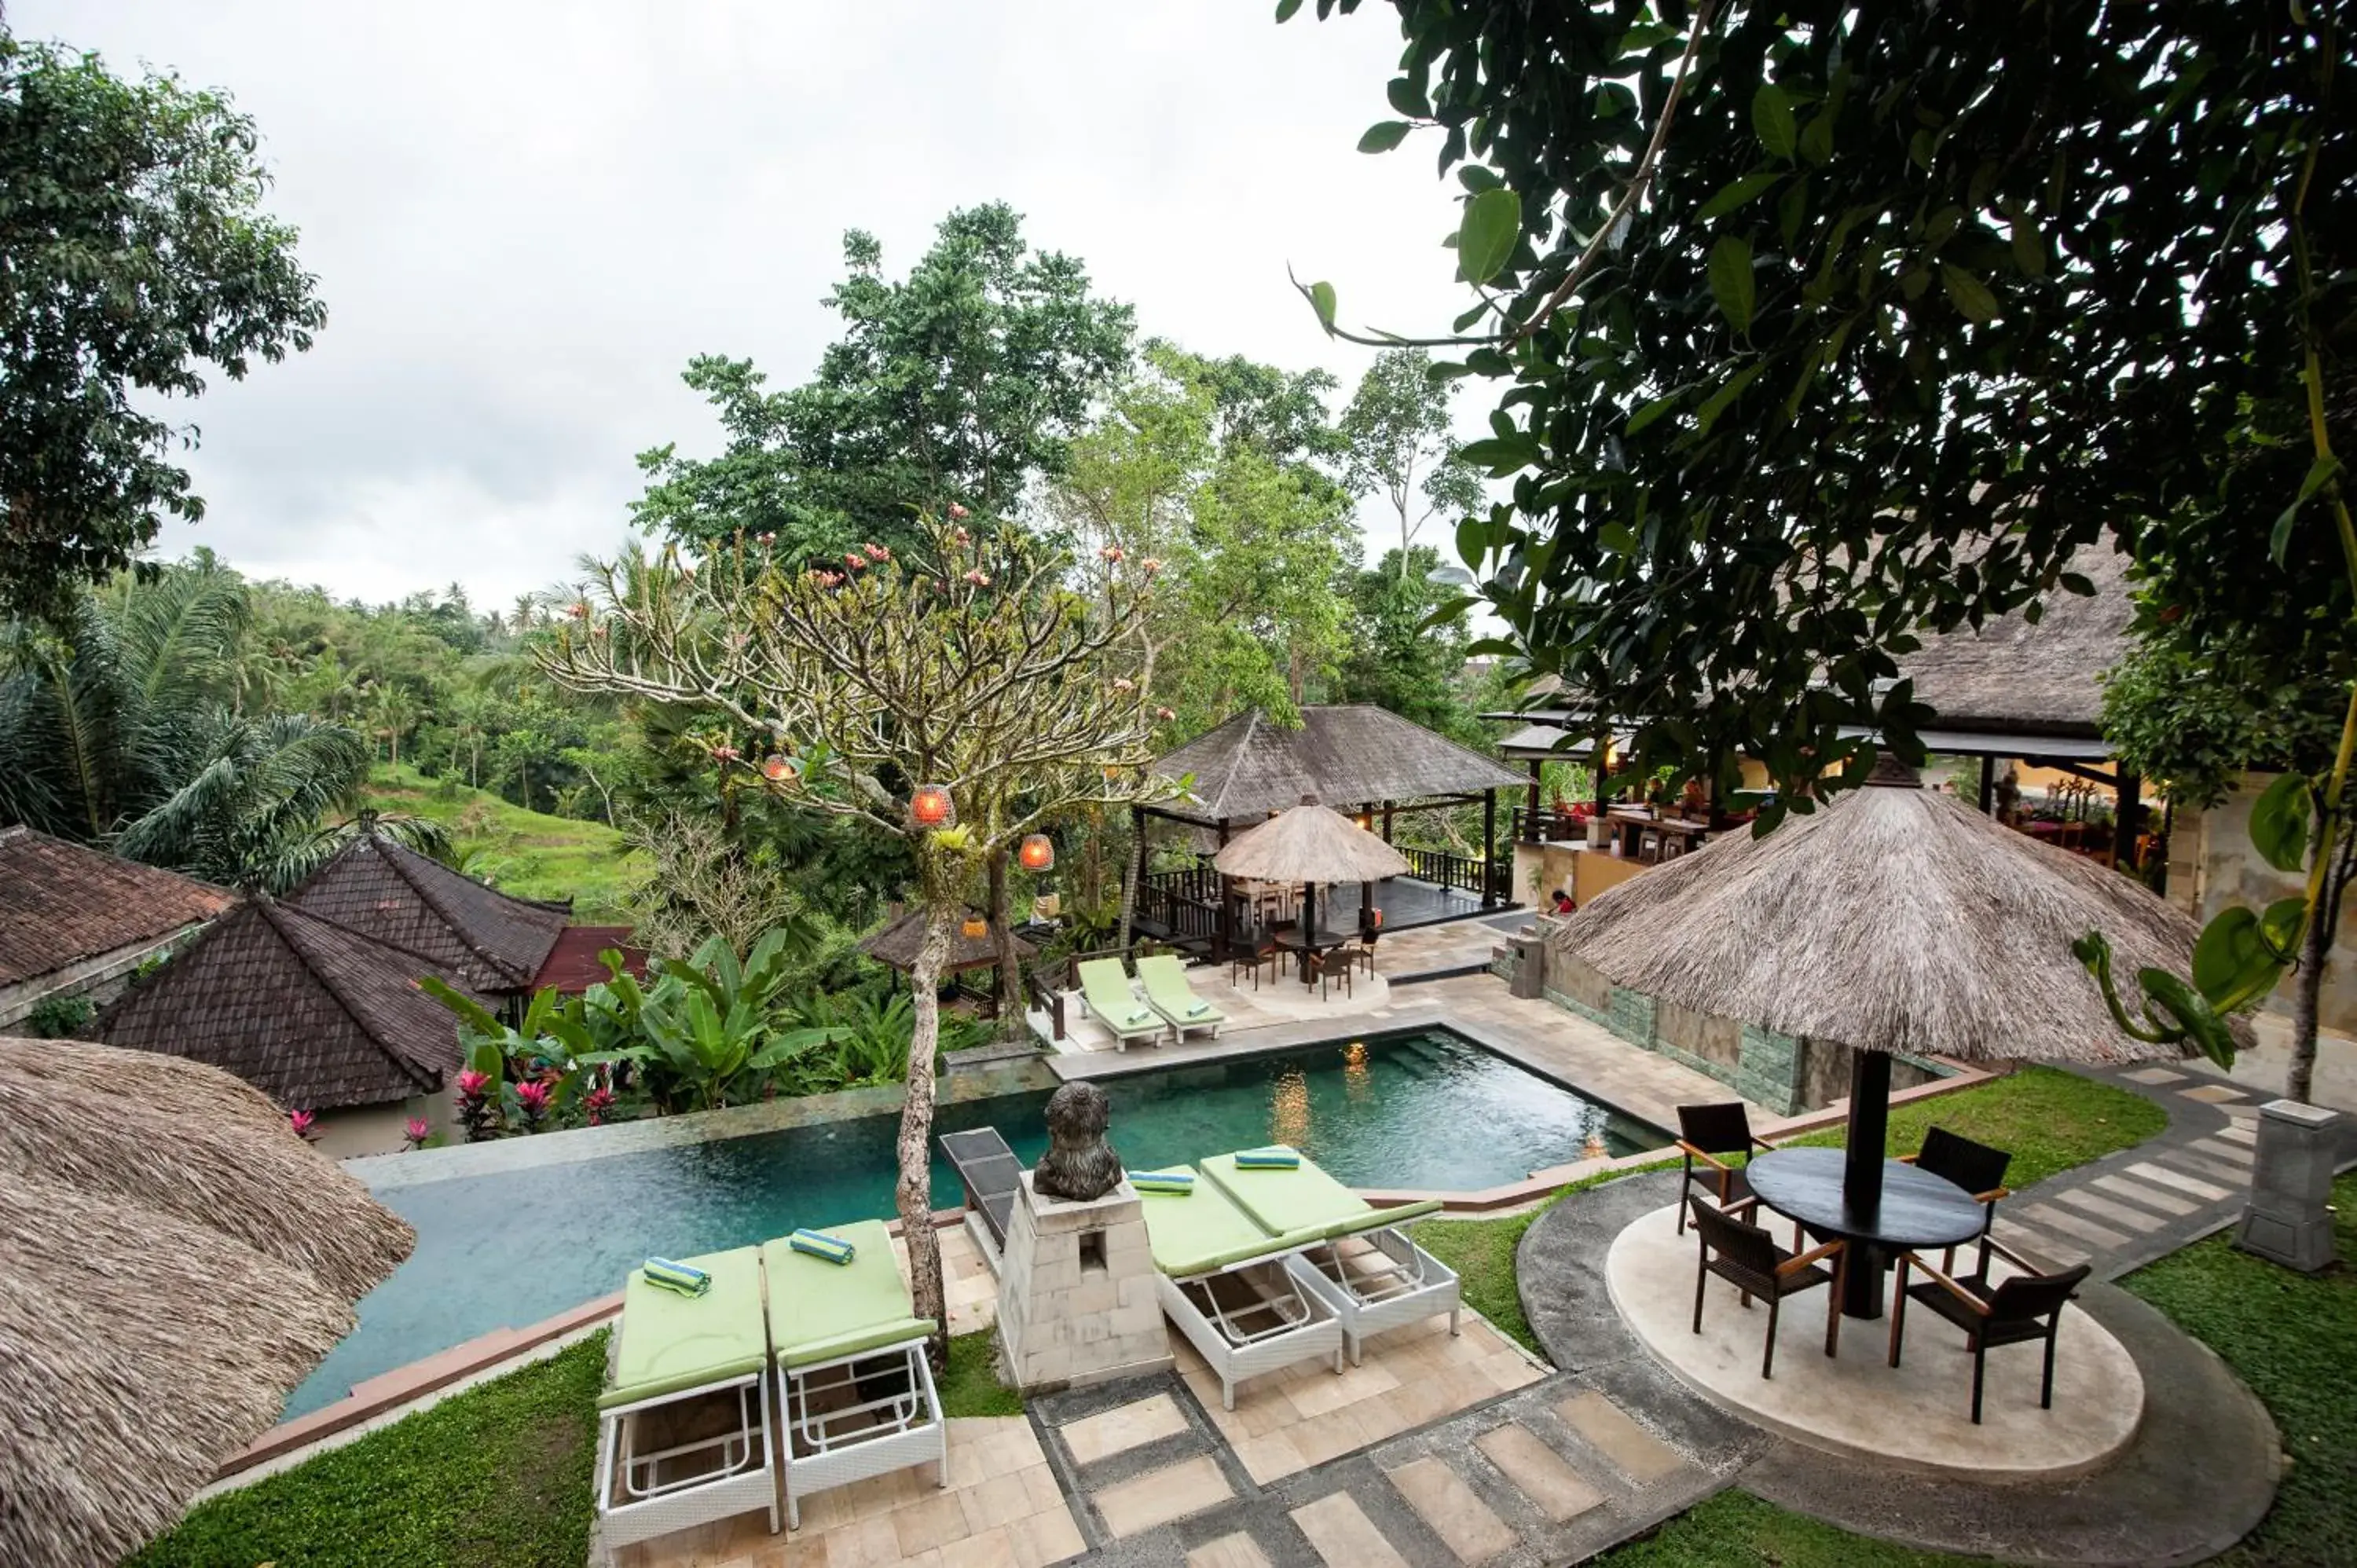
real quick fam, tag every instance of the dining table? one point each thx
(1915, 1210)
(1310, 945)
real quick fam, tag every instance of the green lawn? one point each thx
(2048, 1119)
(497, 1476)
(1736, 1530)
(524, 853)
(2294, 1340)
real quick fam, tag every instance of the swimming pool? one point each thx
(1426, 1109)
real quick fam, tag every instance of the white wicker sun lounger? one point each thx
(1226, 1283)
(858, 1395)
(684, 1424)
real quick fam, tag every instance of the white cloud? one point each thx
(526, 218)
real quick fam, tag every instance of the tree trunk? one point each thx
(1133, 868)
(1010, 967)
(2314, 947)
(913, 1193)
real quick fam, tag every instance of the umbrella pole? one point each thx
(1308, 927)
(1870, 1127)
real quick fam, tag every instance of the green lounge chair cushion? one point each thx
(669, 1343)
(1305, 1199)
(1205, 1232)
(1106, 987)
(1165, 979)
(820, 1311)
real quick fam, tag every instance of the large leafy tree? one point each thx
(134, 252)
(1402, 447)
(960, 383)
(1398, 659)
(971, 668)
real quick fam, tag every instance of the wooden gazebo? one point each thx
(1365, 762)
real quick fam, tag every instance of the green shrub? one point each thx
(56, 1018)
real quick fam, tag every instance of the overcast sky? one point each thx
(526, 218)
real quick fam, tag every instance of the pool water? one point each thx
(1426, 1110)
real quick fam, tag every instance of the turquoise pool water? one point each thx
(1424, 1110)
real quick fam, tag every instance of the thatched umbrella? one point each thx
(178, 1261)
(1308, 843)
(1892, 919)
(896, 944)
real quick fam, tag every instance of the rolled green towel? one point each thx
(1276, 1157)
(1173, 1183)
(684, 1278)
(1196, 1009)
(819, 1245)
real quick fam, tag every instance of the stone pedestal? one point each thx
(1076, 1292)
(2286, 1222)
(1530, 964)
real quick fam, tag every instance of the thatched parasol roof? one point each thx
(1309, 844)
(178, 1261)
(897, 945)
(1353, 754)
(2015, 676)
(1894, 918)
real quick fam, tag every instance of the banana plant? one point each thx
(551, 1037)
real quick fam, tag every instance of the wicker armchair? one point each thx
(2018, 1310)
(1976, 1167)
(1747, 1257)
(1715, 1134)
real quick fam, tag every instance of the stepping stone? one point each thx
(2102, 1207)
(1343, 1534)
(1539, 1472)
(1124, 1427)
(2234, 1177)
(2213, 1093)
(1237, 1550)
(2071, 1225)
(1640, 1455)
(2040, 1245)
(2155, 1075)
(2144, 1193)
(2222, 1148)
(2206, 1191)
(2240, 1133)
(1160, 1496)
(1443, 1501)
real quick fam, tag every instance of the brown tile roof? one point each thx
(61, 903)
(572, 966)
(480, 937)
(311, 1014)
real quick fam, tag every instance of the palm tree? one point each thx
(123, 730)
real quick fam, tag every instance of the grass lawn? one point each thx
(497, 1476)
(971, 1385)
(2294, 1340)
(524, 853)
(2048, 1119)
(1736, 1530)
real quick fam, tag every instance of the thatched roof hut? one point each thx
(1310, 842)
(477, 936)
(1893, 919)
(2013, 676)
(897, 945)
(1249, 766)
(178, 1261)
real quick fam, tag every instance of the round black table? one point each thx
(1315, 943)
(1917, 1210)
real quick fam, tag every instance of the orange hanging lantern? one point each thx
(1038, 854)
(778, 769)
(930, 807)
(975, 928)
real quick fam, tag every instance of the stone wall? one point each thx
(102, 978)
(2212, 865)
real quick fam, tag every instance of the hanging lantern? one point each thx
(975, 928)
(1038, 854)
(931, 808)
(778, 769)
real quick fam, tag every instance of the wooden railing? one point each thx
(1462, 872)
(1546, 826)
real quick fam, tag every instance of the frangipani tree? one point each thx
(958, 701)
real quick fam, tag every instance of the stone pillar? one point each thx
(1530, 964)
(2286, 1222)
(1076, 1292)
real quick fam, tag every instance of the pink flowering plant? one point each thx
(414, 1132)
(302, 1124)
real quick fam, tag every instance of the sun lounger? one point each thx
(1105, 989)
(1225, 1283)
(858, 1396)
(684, 1424)
(1167, 993)
(1368, 1271)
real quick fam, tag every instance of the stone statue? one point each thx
(1078, 1165)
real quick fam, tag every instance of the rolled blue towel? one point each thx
(684, 1278)
(1196, 1009)
(819, 1245)
(1173, 1183)
(1276, 1157)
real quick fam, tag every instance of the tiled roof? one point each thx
(313, 1015)
(572, 965)
(480, 937)
(61, 903)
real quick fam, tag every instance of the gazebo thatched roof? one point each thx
(897, 945)
(2013, 677)
(1894, 918)
(1349, 756)
(178, 1261)
(1309, 844)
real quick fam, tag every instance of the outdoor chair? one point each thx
(1365, 952)
(1333, 964)
(2016, 1310)
(1747, 1257)
(1976, 1167)
(1712, 1134)
(1254, 950)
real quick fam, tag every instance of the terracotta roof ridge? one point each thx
(400, 867)
(273, 913)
